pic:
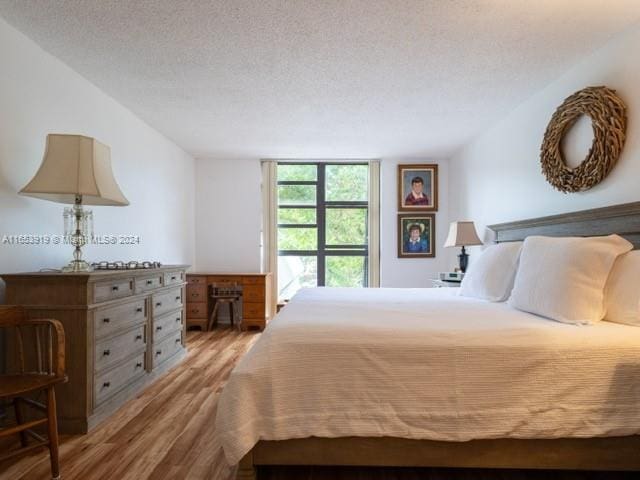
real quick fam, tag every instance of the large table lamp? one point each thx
(462, 234)
(76, 170)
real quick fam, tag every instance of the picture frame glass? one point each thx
(418, 187)
(416, 236)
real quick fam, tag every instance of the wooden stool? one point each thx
(225, 293)
(42, 370)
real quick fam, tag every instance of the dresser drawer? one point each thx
(253, 310)
(144, 284)
(166, 348)
(108, 321)
(254, 280)
(197, 310)
(111, 351)
(111, 382)
(253, 293)
(196, 280)
(196, 293)
(173, 278)
(166, 324)
(166, 301)
(103, 291)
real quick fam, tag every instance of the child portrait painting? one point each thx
(416, 236)
(418, 187)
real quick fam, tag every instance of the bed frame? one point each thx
(601, 453)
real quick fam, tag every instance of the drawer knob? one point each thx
(158, 352)
(158, 304)
(178, 319)
(173, 278)
(139, 309)
(106, 353)
(139, 365)
(149, 282)
(115, 288)
(138, 337)
(106, 384)
(158, 328)
(106, 320)
(178, 340)
(178, 297)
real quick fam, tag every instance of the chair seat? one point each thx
(13, 385)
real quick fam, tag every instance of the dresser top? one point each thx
(97, 273)
(227, 274)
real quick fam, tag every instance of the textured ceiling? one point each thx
(320, 78)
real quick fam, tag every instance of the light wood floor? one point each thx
(168, 433)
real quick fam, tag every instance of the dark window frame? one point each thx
(323, 250)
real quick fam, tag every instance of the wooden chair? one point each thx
(226, 293)
(39, 369)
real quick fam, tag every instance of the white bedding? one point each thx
(428, 364)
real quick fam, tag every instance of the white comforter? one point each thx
(428, 364)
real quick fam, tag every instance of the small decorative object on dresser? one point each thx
(76, 170)
(462, 234)
(418, 187)
(123, 328)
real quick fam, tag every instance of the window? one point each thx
(322, 225)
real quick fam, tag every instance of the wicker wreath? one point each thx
(609, 123)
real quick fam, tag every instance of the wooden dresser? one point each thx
(122, 328)
(257, 306)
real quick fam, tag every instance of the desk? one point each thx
(257, 307)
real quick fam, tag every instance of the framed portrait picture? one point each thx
(418, 188)
(416, 235)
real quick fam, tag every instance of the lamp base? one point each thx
(464, 260)
(77, 266)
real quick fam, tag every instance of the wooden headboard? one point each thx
(621, 219)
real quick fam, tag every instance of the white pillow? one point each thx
(622, 293)
(490, 276)
(564, 278)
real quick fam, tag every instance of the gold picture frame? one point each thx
(418, 187)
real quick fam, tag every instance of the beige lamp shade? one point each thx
(75, 165)
(462, 234)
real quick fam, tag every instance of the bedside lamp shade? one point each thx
(462, 234)
(76, 170)
(74, 165)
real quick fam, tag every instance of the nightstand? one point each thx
(436, 283)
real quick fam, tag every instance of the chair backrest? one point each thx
(33, 345)
(226, 289)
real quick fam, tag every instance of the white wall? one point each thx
(228, 221)
(409, 272)
(40, 95)
(497, 177)
(228, 215)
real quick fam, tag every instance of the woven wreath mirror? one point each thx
(609, 122)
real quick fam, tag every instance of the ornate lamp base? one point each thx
(78, 228)
(77, 266)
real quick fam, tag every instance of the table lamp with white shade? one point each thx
(76, 170)
(462, 234)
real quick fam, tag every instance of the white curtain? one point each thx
(374, 223)
(270, 224)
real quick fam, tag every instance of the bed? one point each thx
(422, 377)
